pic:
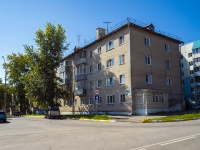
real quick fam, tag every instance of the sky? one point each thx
(20, 19)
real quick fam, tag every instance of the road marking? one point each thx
(167, 142)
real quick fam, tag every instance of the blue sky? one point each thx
(19, 19)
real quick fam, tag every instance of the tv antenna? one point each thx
(79, 37)
(107, 25)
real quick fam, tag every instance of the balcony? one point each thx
(80, 92)
(196, 73)
(80, 61)
(65, 69)
(81, 77)
(66, 81)
(196, 64)
(195, 84)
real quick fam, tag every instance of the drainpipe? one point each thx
(129, 33)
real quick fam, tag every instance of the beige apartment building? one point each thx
(131, 70)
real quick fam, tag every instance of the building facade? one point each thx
(190, 66)
(131, 70)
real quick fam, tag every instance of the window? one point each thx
(181, 57)
(121, 59)
(158, 97)
(195, 51)
(110, 81)
(99, 101)
(189, 54)
(109, 45)
(196, 59)
(122, 98)
(110, 99)
(67, 63)
(99, 67)
(82, 101)
(99, 50)
(75, 102)
(90, 100)
(167, 64)
(149, 79)
(167, 48)
(183, 82)
(90, 69)
(121, 40)
(147, 41)
(191, 80)
(190, 63)
(122, 79)
(110, 63)
(168, 81)
(182, 65)
(90, 54)
(192, 90)
(182, 73)
(191, 72)
(91, 85)
(148, 60)
(98, 83)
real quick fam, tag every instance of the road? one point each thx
(43, 134)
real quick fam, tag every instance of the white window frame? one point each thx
(189, 54)
(110, 99)
(122, 99)
(121, 59)
(148, 60)
(148, 79)
(90, 101)
(167, 48)
(90, 54)
(110, 63)
(147, 41)
(168, 81)
(110, 45)
(82, 101)
(110, 81)
(168, 65)
(121, 40)
(99, 50)
(99, 83)
(122, 79)
(90, 69)
(99, 67)
(91, 85)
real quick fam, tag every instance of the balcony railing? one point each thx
(195, 84)
(80, 92)
(196, 64)
(80, 61)
(81, 77)
(65, 69)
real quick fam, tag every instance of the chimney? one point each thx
(100, 32)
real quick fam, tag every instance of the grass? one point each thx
(174, 117)
(97, 117)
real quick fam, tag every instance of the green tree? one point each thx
(18, 66)
(42, 83)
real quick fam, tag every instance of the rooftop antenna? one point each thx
(79, 37)
(85, 41)
(107, 25)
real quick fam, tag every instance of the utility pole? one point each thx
(107, 25)
(5, 85)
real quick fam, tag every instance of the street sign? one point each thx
(96, 97)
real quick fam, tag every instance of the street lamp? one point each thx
(5, 85)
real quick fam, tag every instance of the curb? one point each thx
(175, 120)
(93, 120)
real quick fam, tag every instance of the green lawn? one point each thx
(174, 117)
(97, 117)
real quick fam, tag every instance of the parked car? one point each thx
(3, 116)
(52, 112)
(17, 113)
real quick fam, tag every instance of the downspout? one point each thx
(129, 33)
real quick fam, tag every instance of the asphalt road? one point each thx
(43, 134)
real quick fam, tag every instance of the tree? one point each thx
(42, 84)
(17, 67)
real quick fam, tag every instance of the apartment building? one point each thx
(190, 66)
(132, 70)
